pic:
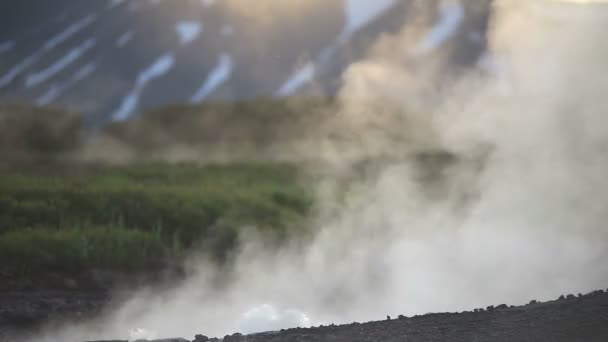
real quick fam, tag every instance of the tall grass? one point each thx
(71, 250)
(136, 216)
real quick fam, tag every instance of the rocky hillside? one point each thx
(111, 59)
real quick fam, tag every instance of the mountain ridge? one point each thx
(113, 59)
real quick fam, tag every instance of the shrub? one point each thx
(31, 132)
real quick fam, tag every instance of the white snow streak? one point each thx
(84, 72)
(297, 80)
(188, 31)
(17, 69)
(114, 3)
(220, 74)
(159, 68)
(452, 16)
(42, 76)
(51, 95)
(56, 90)
(70, 31)
(49, 45)
(124, 39)
(361, 12)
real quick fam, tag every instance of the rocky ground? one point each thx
(570, 318)
(21, 312)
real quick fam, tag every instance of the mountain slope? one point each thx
(111, 59)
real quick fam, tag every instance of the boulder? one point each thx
(200, 338)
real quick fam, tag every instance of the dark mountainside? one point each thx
(568, 319)
(113, 59)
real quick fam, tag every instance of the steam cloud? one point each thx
(489, 190)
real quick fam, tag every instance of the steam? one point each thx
(489, 190)
(138, 334)
(267, 318)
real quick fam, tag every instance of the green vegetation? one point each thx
(73, 200)
(42, 133)
(70, 218)
(71, 250)
(243, 131)
(259, 129)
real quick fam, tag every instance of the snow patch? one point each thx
(49, 45)
(160, 67)
(42, 76)
(188, 31)
(114, 3)
(268, 318)
(18, 68)
(84, 72)
(70, 31)
(56, 90)
(50, 95)
(452, 16)
(361, 12)
(297, 80)
(219, 75)
(326, 54)
(124, 39)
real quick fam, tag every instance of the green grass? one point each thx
(71, 250)
(59, 214)
(71, 218)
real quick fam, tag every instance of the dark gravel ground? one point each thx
(574, 319)
(568, 319)
(22, 312)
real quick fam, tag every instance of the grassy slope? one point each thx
(61, 215)
(67, 220)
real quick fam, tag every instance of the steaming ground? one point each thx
(485, 189)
